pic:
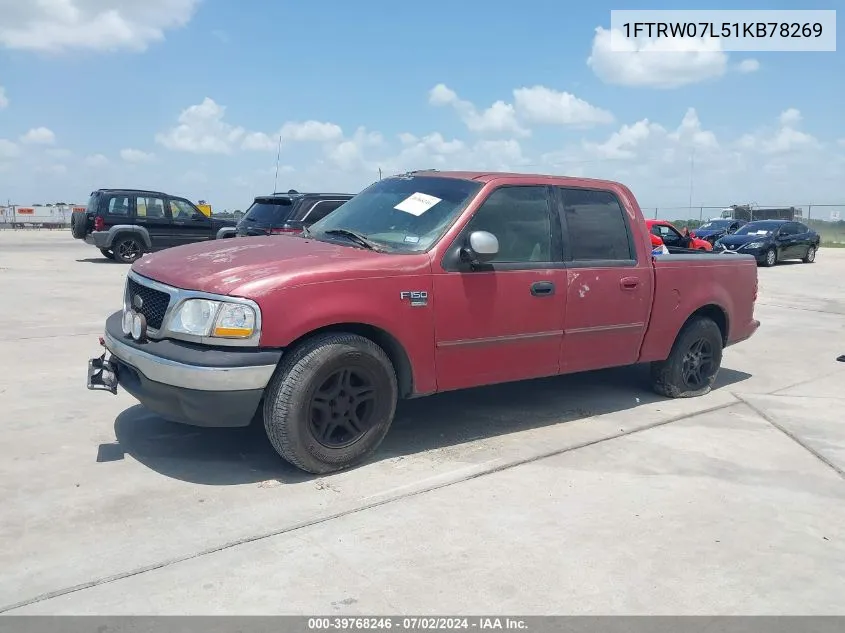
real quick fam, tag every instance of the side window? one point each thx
(181, 210)
(802, 228)
(669, 235)
(118, 205)
(150, 207)
(597, 226)
(520, 219)
(321, 209)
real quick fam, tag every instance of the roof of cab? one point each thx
(488, 176)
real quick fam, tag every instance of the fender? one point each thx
(374, 303)
(139, 231)
(225, 232)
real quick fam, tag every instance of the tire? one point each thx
(107, 253)
(127, 249)
(78, 225)
(810, 257)
(668, 376)
(312, 373)
(771, 258)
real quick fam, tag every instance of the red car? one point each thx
(422, 283)
(672, 237)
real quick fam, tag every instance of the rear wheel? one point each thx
(693, 363)
(810, 257)
(107, 253)
(127, 249)
(331, 402)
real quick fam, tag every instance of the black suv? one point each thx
(287, 212)
(126, 223)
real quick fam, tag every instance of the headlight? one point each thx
(755, 245)
(203, 317)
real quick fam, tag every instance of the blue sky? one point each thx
(92, 98)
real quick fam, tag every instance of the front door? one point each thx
(189, 223)
(503, 321)
(670, 236)
(152, 213)
(609, 291)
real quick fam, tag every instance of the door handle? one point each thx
(542, 288)
(629, 283)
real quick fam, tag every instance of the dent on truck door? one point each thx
(502, 322)
(609, 292)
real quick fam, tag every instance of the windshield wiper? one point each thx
(356, 237)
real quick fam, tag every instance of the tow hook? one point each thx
(102, 374)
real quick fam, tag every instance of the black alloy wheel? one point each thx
(698, 364)
(342, 407)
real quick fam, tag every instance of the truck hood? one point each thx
(249, 267)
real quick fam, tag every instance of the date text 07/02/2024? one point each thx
(410, 623)
(723, 29)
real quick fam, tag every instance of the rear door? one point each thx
(804, 239)
(608, 290)
(189, 223)
(502, 321)
(153, 214)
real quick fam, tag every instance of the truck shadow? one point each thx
(244, 455)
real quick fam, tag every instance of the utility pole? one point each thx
(691, 172)
(278, 156)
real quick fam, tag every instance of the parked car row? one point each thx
(422, 283)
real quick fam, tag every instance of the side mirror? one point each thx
(481, 247)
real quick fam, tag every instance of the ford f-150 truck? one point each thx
(422, 283)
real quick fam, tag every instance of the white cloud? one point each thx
(39, 136)
(96, 160)
(60, 25)
(310, 131)
(136, 156)
(748, 66)
(259, 141)
(202, 130)
(4, 100)
(790, 117)
(59, 153)
(8, 149)
(660, 63)
(546, 106)
(498, 118)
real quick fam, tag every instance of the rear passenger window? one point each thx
(150, 207)
(118, 205)
(596, 224)
(519, 218)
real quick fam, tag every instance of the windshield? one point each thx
(268, 211)
(759, 228)
(406, 214)
(715, 225)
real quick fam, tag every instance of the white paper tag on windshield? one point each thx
(417, 203)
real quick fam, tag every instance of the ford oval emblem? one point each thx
(138, 302)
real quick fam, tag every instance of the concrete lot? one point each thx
(576, 495)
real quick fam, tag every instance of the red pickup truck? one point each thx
(424, 282)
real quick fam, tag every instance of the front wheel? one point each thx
(810, 257)
(693, 363)
(331, 402)
(771, 258)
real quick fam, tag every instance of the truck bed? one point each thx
(712, 283)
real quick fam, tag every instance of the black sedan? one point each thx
(772, 241)
(714, 229)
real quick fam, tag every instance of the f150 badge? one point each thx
(417, 298)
